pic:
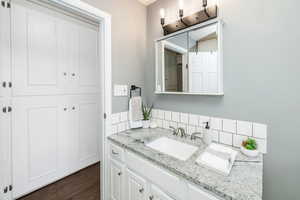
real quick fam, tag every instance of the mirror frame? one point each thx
(220, 59)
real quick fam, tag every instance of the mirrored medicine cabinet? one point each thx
(191, 61)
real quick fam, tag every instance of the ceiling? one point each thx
(147, 2)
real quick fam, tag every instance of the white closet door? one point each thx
(36, 123)
(35, 68)
(5, 141)
(88, 74)
(68, 140)
(4, 51)
(87, 109)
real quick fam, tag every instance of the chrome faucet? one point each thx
(194, 135)
(178, 131)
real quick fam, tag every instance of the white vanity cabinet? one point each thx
(158, 194)
(116, 180)
(136, 186)
(134, 178)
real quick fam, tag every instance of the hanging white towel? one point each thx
(135, 112)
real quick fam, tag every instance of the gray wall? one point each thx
(128, 43)
(261, 78)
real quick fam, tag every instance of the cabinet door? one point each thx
(157, 194)
(87, 110)
(35, 68)
(36, 123)
(5, 153)
(5, 55)
(87, 73)
(136, 187)
(116, 180)
(198, 194)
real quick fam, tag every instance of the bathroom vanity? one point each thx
(139, 172)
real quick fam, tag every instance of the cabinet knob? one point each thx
(65, 73)
(73, 108)
(141, 190)
(65, 109)
(4, 84)
(3, 3)
(120, 173)
(73, 74)
(4, 109)
(151, 197)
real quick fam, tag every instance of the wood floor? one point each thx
(83, 185)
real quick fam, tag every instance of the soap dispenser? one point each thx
(207, 134)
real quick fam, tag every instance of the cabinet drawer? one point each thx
(160, 177)
(196, 193)
(116, 152)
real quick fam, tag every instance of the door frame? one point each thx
(104, 20)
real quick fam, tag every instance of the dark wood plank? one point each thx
(83, 185)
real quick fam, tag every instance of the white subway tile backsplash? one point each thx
(225, 138)
(244, 128)
(161, 114)
(114, 129)
(238, 140)
(121, 127)
(115, 118)
(166, 124)
(175, 117)
(193, 120)
(202, 120)
(216, 123)
(261, 145)
(173, 124)
(191, 130)
(215, 135)
(159, 123)
(229, 125)
(123, 116)
(168, 115)
(225, 131)
(259, 130)
(154, 113)
(184, 118)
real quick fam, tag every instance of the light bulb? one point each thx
(180, 4)
(162, 13)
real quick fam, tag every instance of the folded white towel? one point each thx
(135, 112)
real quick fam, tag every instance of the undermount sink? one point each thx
(173, 148)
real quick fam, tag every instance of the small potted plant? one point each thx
(249, 148)
(146, 115)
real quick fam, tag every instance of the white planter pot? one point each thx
(250, 153)
(146, 123)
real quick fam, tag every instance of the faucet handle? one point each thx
(175, 131)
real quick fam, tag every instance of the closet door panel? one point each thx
(34, 52)
(35, 128)
(88, 69)
(88, 125)
(5, 180)
(5, 55)
(68, 140)
(68, 56)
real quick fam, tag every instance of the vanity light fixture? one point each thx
(162, 16)
(180, 3)
(208, 13)
(204, 4)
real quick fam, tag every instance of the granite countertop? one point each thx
(243, 183)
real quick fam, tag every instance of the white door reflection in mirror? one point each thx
(191, 62)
